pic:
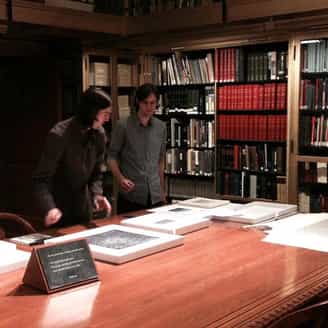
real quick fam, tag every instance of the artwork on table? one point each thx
(204, 202)
(119, 244)
(169, 222)
(175, 208)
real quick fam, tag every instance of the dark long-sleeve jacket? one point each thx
(68, 175)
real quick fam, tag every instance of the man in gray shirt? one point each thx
(137, 153)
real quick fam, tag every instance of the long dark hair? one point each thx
(93, 100)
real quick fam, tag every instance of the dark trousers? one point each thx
(125, 206)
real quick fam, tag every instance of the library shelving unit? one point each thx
(252, 121)
(312, 159)
(115, 73)
(187, 105)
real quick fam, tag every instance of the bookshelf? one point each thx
(312, 157)
(117, 74)
(252, 121)
(187, 106)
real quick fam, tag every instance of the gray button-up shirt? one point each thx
(138, 150)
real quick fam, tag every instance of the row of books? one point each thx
(186, 100)
(181, 188)
(314, 56)
(153, 7)
(190, 161)
(195, 133)
(127, 7)
(234, 65)
(81, 5)
(99, 74)
(252, 96)
(247, 185)
(312, 203)
(183, 69)
(271, 65)
(261, 158)
(252, 127)
(314, 94)
(310, 172)
(314, 131)
(126, 76)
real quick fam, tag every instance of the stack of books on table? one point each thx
(256, 212)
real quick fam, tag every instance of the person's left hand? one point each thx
(101, 203)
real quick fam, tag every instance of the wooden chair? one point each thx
(12, 225)
(314, 316)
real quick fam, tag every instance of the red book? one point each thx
(236, 157)
(233, 64)
(216, 64)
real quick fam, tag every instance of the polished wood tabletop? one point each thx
(222, 276)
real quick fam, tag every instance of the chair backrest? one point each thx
(12, 225)
(314, 316)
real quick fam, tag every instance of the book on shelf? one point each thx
(71, 4)
(99, 74)
(124, 75)
(190, 161)
(312, 172)
(314, 57)
(310, 202)
(262, 157)
(181, 69)
(186, 188)
(252, 127)
(260, 65)
(242, 184)
(313, 94)
(314, 131)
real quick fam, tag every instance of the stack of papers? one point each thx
(301, 230)
(204, 202)
(281, 209)
(224, 212)
(253, 212)
(170, 222)
(12, 258)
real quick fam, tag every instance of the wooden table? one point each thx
(223, 276)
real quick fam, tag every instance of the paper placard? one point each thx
(60, 266)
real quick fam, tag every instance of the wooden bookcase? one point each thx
(267, 113)
(117, 74)
(187, 105)
(252, 121)
(309, 130)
